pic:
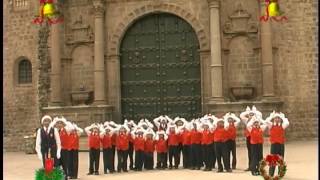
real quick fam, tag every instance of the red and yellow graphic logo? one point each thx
(273, 12)
(48, 13)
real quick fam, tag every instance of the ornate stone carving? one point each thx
(239, 22)
(80, 32)
(99, 7)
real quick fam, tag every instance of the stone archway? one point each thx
(113, 61)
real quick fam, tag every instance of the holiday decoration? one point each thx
(48, 13)
(273, 160)
(49, 173)
(273, 12)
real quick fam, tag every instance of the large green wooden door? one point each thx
(160, 69)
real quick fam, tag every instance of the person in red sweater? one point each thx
(73, 149)
(60, 124)
(195, 140)
(173, 143)
(256, 127)
(206, 131)
(138, 144)
(245, 117)
(186, 144)
(277, 123)
(94, 148)
(149, 149)
(220, 138)
(122, 145)
(131, 125)
(162, 149)
(231, 123)
(106, 139)
(180, 122)
(161, 123)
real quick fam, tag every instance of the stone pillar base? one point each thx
(99, 102)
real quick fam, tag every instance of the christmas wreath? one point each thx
(273, 160)
(49, 173)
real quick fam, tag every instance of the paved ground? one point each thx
(301, 157)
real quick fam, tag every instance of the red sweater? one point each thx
(195, 137)
(149, 146)
(256, 136)
(231, 132)
(122, 142)
(74, 141)
(106, 141)
(277, 135)
(114, 139)
(138, 144)
(206, 137)
(212, 137)
(94, 141)
(220, 134)
(186, 138)
(173, 139)
(161, 146)
(64, 138)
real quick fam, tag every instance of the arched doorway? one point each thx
(160, 69)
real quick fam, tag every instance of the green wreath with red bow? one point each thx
(49, 173)
(273, 160)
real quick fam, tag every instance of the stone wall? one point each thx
(20, 101)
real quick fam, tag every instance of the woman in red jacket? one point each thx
(94, 148)
(231, 123)
(122, 146)
(173, 142)
(138, 145)
(186, 144)
(256, 127)
(149, 149)
(277, 123)
(195, 140)
(161, 148)
(106, 139)
(206, 131)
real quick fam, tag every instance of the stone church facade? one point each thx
(116, 59)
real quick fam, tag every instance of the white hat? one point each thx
(45, 117)
(161, 132)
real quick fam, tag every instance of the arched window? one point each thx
(24, 72)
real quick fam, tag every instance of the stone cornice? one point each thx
(99, 7)
(214, 3)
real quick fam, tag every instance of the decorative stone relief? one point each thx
(81, 32)
(240, 22)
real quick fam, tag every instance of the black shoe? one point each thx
(170, 167)
(219, 171)
(229, 170)
(192, 168)
(96, 173)
(176, 167)
(233, 167)
(125, 170)
(111, 172)
(198, 168)
(90, 173)
(206, 169)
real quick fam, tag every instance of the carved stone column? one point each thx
(99, 42)
(55, 65)
(215, 47)
(266, 55)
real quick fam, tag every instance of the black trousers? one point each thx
(64, 161)
(207, 156)
(214, 158)
(276, 149)
(173, 153)
(180, 150)
(113, 156)
(107, 160)
(256, 156)
(162, 159)
(139, 158)
(53, 153)
(195, 157)
(73, 163)
(94, 158)
(130, 152)
(231, 145)
(122, 160)
(221, 152)
(186, 156)
(249, 150)
(148, 160)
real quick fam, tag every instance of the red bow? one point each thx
(272, 159)
(49, 165)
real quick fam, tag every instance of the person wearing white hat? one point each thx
(106, 133)
(94, 148)
(220, 138)
(122, 146)
(138, 143)
(131, 125)
(161, 123)
(245, 117)
(231, 122)
(48, 139)
(162, 149)
(180, 122)
(256, 128)
(186, 144)
(173, 142)
(206, 140)
(195, 140)
(149, 148)
(277, 123)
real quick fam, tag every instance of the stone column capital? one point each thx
(214, 3)
(99, 7)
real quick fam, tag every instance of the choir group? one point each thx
(203, 142)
